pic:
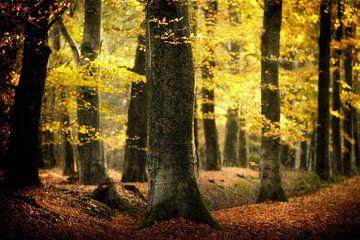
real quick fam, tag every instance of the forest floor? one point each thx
(61, 210)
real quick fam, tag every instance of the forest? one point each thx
(179, 119)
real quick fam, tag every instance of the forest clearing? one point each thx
(60, 210)
(179, 119)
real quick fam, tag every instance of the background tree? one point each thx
(173, 188)
(135, 152)
(270, 180)
(213, 157)
(322, 146)
(92, 161)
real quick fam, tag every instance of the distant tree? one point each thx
(322, 145)
(303, 155)
(230, 145)
(270, 180)
(242, 143)
(92, 161)
(335, 120)
(170, 71)
(213, 157)
(135, 148)
(348, 109)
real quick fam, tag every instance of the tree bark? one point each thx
(92, 162)
(270, 180)
(213, 157)
(230, 145)
(303, 155)
(335, 121)
(348, 120)
(322, 146)
(173, 191)
(242, 144)
(24, 149)
(287, 156)
(135, 149)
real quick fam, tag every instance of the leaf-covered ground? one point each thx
(61, 210)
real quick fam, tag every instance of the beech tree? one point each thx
(92, 161)
(135, 149)
(213, 157)
(170, 72)
(322, 143)
(335, 120)
(270, 180)
(24, 153)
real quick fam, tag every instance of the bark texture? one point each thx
(322, 146)
(230, 145)
(213, 157)
(335, 121)
(135, 152)
(270, 180)
(24, 149)
(173, 191)
(92, 162)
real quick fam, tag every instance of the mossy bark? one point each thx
(270, 180)
(322, 146)
(173, 191)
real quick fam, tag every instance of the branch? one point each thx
(69, 40)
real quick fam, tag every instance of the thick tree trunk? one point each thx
(348, 111)
(92, 162)
(24, 150)
(230, 145)
(303, 155)
(242, 144)
(335, 121)
(173, 191)
(270, 180)
(135, 152)
(213, 157)
(322, 146)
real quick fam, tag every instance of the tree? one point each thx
(213, 157)
(322, 145)
(170, 73)
(303, 155)
(135, 152)
(24, 148)
(92, 161)
(230, 145)
(348, 111)
(335, 120)
(270, 180)
(242, 144)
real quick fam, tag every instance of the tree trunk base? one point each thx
(196, 210)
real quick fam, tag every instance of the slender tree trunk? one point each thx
(303, 155)
(335, 121)
(287, 156)
(356, 138)
(270, 180)
(242, 144)
(322, 146)
(312, 152)
(213, 157)
(92, 162)
(135, 152)
(173, 191)
(348, 120)
(231, 131)
(24, 150)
